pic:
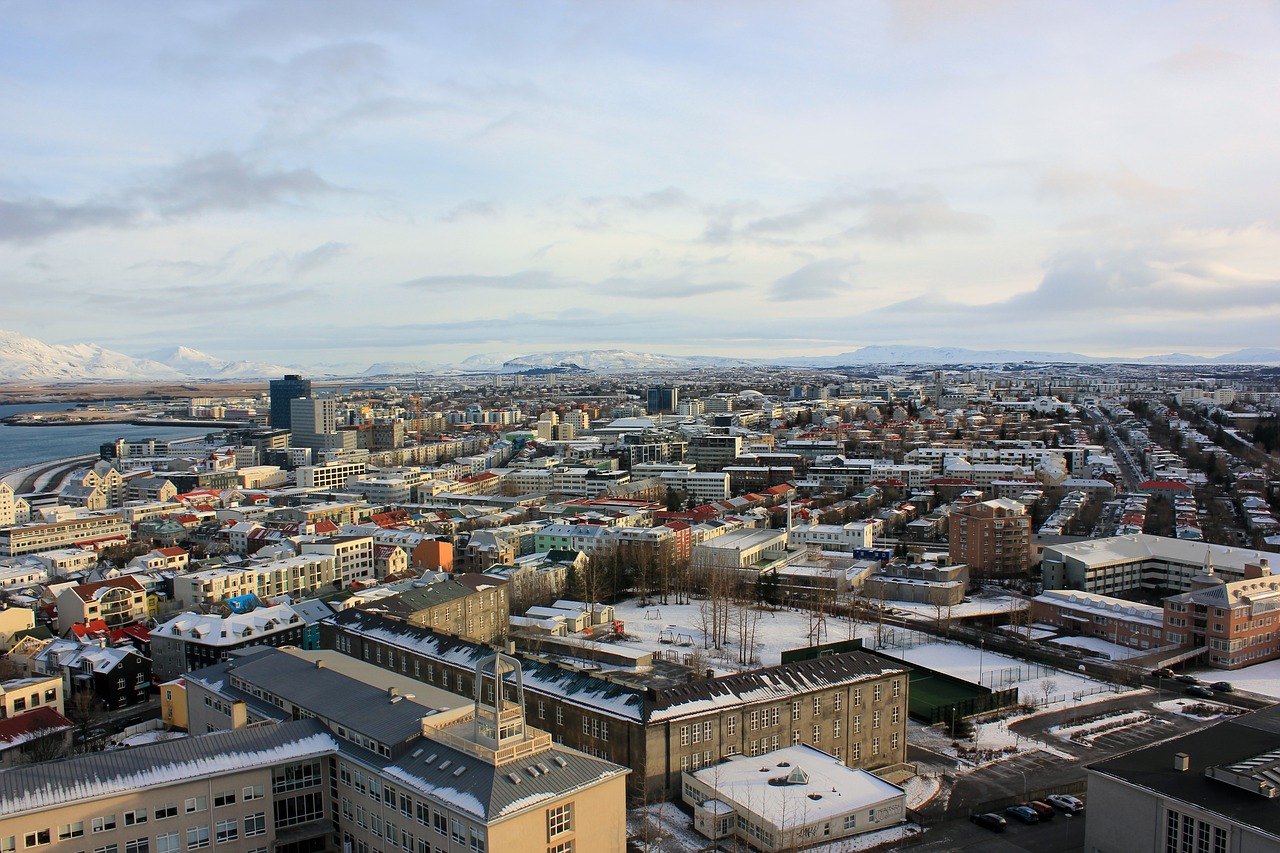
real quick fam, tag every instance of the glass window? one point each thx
(197, 837)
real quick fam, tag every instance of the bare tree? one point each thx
(1047, 686)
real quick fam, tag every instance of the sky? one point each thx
(315, 182)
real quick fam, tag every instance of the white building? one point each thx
(790, 798)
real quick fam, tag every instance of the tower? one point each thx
(283, 392)
(498, 723)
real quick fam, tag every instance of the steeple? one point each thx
(499, 720)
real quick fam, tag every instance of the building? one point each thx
(82, 528)
(352, 556)
(803, 797)
(1139, 561)
(13, 509)
(713, 451)
(314, 424)
(296, 577)
(116, 677)
(1213, 790)
(993, 538)
(445, 772)
(851, 705)
(663, 400)
(190, 641)
(479, 611)
(923, 583)
(283, 393)
(20, 695)
(1087, 614)
(117, 602)
(1237, 622)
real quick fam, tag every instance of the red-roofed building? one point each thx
(39, 735)
(117, 602)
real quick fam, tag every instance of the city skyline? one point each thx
(312, 183)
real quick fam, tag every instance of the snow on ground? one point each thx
(1261, 678)
(1097, 644)
(921, 789)
(1086, 732)
(1179, 706)
(977, 606)
(1037, 632)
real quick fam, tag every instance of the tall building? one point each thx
(283, 392)
(663, 401)
(992, 537)
(315, 425)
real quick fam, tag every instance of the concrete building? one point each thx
(993, 538)
(1237, 622)
(663, 400)
(117, 602)
(1211, 791)
(191, 641)
(478, 611)
(314, 424)
(77, 529)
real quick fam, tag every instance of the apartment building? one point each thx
(297, 577)
(191, 641)
(993, 538)
(85, 527)
(713, 451)
(1139, 561)
(851, 705)
(117, 602)
(331, 475)
(352, 556)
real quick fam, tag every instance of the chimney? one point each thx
(319, 664)
(1181, 762)
(393, 692)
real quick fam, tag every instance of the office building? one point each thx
(283, 393)
(663, 401)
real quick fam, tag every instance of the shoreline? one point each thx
(25, 420)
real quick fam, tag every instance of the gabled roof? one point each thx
(34, 724)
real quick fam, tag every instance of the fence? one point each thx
(998, 678)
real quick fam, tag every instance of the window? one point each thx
(795, 710)
(731, 725)
(110, 848)
(562, 847)
(559, 820)
(897, 687)
(37, 839)
(224, 798)
(166, 811)
(440, 823)
(857, 695)
(835, 728)
(138, 845)
(300, 809)
(227, 830)
(197, 804)
(817, 734)
(106, 823)
(857, 723)
(876, 693)
(817, 705)
(895, 714)
(197, 837)
(684, 735)
(875, 746)
(837, 702)
(135, 817)
(875, 719)
(71, 830)
(19, 704)
(894, 740)
(252, 792)
(167, 842)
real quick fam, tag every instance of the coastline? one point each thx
(29, 421)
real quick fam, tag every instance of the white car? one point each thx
(1065, 802)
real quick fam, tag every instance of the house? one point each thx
(115, 677)
(118, 601)
(38, 736)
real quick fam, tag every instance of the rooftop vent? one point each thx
(461, 769)
(1181, 761)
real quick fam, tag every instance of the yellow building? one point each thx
(173, 703)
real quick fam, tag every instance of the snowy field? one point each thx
(789, 629)
(1263, 678)
(1096, 644)
(1179, 706)
(979, 606)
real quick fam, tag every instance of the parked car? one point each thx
(1041, 808)
(1186, 679)
(1026, 814)
(990, 820)
(1066, 802)
(1199, 692)
(1222, 687)
(1162, 673)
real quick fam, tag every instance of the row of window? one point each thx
(197, 837)
(695, 733)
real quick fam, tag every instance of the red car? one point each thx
(1044, 810)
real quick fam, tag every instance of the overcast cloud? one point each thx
(418, 182)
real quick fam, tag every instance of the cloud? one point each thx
(819, 280)
(893, 215)
(673, 288)
(225, 181)
(470, 209)
(1122, 184)
(31, 219)
(313, 259)
(528, 280)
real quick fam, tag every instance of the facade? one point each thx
(1212, 790)
(851, 705)
(352, 556)
(296, 577)
(663, 400)
(117, 677)
(993, 538)
(314, 424)
(283, 393)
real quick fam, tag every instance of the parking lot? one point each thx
(1060, 835)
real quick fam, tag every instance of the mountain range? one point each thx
(26, 359)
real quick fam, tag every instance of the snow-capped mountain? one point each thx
(26, 359)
